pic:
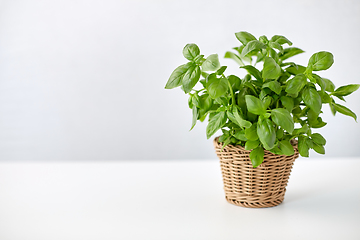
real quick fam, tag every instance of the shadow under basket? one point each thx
(250, 187)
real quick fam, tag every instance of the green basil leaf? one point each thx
(250, 84)
(234, 57)
(255, 105)
(309, 142)
(235, 82)
(312, 99)
(311, 78)
(295, 70)
(325, 98)
(190, 78)
(329, 85)
(246, 58)
(240, 135)
(276, 150)
(190, 102)
(252, 117)
(257, 156)
(211, 63)
(226, 142)
(271, 69)
(203, 82)
(191, 51)
(344, 110)
(341, 98)
(312, 115)
(195, 114)
(318, 123)
(218, 88)
(222, 101)
(346, 90)
(320, 61)
(290, 52)
(295, 84)
(319, 148)
(280, 40)
(251, 133)
(279, 133)
(215, 123)
(223, 137)
(282, 118)
(253, 71)
(244, 37)
(319, 81)
(266, 115)
(263, 39)
(221, 70)
(332, 108)
(283, 77)
(198, 59)
(241, 102)
(303, 129)
(241, 122)
(177, 75)
(204, 74)
(249, 145)
(202, 115)
(264, 92)
(232, 117)
(276, 46)
(266, 133)
(196, 100)
(206, 102)
(303, 147)
(247, 78)
(297, 109)
(286, 148)
(210, 79)
(251, 46)
(275, 86)
(287, 64)
(267, 101)
(287, 102)
(318, 138)
(259, 57)
(274, 55)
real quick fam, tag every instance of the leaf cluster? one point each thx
(271, 105)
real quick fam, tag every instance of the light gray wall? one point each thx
(85, 79)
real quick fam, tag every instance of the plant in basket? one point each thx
(267, 117)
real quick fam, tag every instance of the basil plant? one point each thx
(269, 106)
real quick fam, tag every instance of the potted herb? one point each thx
(267, 117)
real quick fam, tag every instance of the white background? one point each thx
(85, 79)
(172, 200)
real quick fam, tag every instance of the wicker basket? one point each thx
(259, 187)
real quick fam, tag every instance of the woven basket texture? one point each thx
(259, 187)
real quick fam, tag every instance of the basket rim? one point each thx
(230, 147)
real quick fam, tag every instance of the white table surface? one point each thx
(171, 200)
